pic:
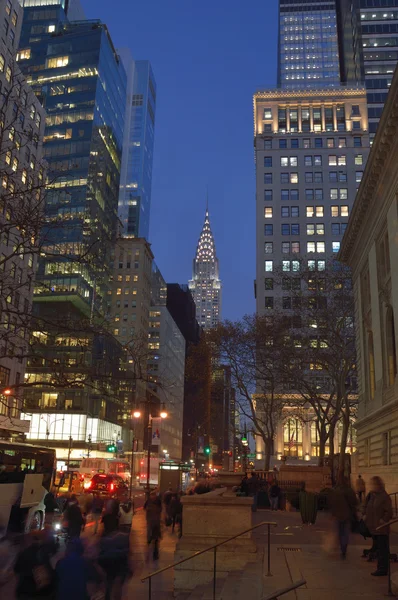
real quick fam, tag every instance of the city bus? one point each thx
(105, 466)
(26, 475)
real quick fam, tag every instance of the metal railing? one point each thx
(394, 501)
(214, 548)
(291, 588)
(380, 528)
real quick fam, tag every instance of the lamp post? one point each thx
(163, 415)
(136, 415)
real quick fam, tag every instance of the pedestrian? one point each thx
(73, 518)
(110, 518)
(274, 493)
(254, 486)
(113, 558)
(126, 514)
(378, 512)
(153, 513)
(176, 511)
(343, 503)
(33, 569)
(74, 573)
(96, 510)
(244, 486)
(360, 488)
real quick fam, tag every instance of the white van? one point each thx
(107, 466)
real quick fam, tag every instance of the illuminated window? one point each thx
(24, 175)
(118, 291)
(343, 193)
(359, 159)
(14, 18)
(269, 266)
(320, 247)
(24, 54)
(8, 7)
(344, 211)
(310, 229)
(334, 193)
(8, 157)
(59, 61)
(335, 247)
(51, 28)
(294, 178)
(14, 164)
(334, 211)
(310, 247)
(342, 161)
(268, 212)
(320, 229)
(8, 74)
(319, 211)
(310, 211)
(2, 63)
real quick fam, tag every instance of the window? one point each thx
(8, 11)
(51, 28)
(342, 160)
(355, 112)
(296, 247)
(282, 144)
(267, 113)
(317, 161)
(286, 265)
(344, 211)
(309, 195)
(294, 211)
(286, 302)
(268, 144)
(318, 142)
(294, 143)
(309, 211)
(285, 247)
(330, 143)
(268, 212)
(293, 161)
(284, 161)
(359, 159)
(267, 161)
(343, 142)
(334, 211)
(8, 74)
(295, 229)
(357, 142)
(309, 178)
(294, 178)
(14, 164)
(320, 229)
(319, 195)
(267, 195)
(284, 177)
(332, 160)
(268, 229)
(320, 247)
(356, 125)
(358, 176)
(334, 193)
(285, 229)
(268, 178)
(294, 195)
(335, 228)
(284, 195)
(14, 18)
(342, 176)
(2, 63)
(333, 176)
(335, 247)
(391, 347)
(343, 193)
(59, 61)
(269, 283)
(285, 211)
(8, 157)
(268, 247)
(269, 302)
(319, 211)
(318, 177)
(267, 127)
(308, 161)
(306, 143)
(310, 229)
(310, 247)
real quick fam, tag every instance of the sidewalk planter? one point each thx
(308, 507)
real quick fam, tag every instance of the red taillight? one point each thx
(111, 487)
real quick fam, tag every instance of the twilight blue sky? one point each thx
(208, 58)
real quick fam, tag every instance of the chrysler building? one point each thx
(205, 284)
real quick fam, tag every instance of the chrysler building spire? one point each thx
(205, 284)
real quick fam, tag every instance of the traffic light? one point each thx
(111, 448)
(207, 449)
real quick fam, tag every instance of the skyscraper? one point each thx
(205, 284)
(138, 147)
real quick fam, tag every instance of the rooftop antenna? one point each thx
(207, 199)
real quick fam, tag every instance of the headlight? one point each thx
(57, 526)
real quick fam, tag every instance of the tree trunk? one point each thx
(332, 430)
(267, 453)
(323, 437)
(343, 445)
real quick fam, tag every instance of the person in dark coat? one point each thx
(113, 558)
(73, 518)
(244, 486)
(378, 512)
(153, 513)
(343, 502)
(74, 573)
(176, 511)
(110, 519)
(254, 486)
(274, 493)
(35, 575)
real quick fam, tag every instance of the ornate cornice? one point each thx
(307, 94)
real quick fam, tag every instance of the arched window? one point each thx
(391, 347)
(293, 437)
(371, 365)
(351, 437)
(315, 441)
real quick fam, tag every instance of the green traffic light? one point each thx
(207, 450)
(111, 448)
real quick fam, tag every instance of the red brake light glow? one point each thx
(111, 487)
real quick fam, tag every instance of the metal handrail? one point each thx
(395, 494)
(294, 586)
(379, 528)
(214, 547)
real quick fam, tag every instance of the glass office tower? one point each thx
(308, 44)
(77, 75)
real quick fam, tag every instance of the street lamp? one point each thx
(136, 415)
(163, 415)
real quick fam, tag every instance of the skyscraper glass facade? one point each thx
(77, 75)
(308, 44)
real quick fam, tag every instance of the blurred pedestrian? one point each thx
(360, 488)
(74, 573)
(244, 486)
(33, 569)
(343, 507)
(73, 518)
(96, 511)
(274, 493)
(126, 514)
(153, 513)
(176, 512)
(378, 512)
(254, 486)
(110, 518)
(113, 558)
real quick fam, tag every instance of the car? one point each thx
(107, 486)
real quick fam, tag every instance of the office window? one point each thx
(320, 229)
(311, 265)
(285, 247)
(295, 229)
(294, 195)
(310, 229)
(343, 227)
(319, 195)
(317, 161)
(335, 228)
(267, 128)
(342, 176)
(294, 143)
(320, 247)
(268, 229)
(268, 178)
(334, 193)
(285, 229)
(8, 7)
(284, 161)
(333, 176)
(359, 159)
(342, 160)
(357, 142)
(267, 113)
(269, 266)
(269, 302)
(269, 283)
(356, 125)
(321, 265)
(318, 177)
(332, 160)
(268, 144)
(293, 161)
(308, 161)
(330, 143)
(268, 212)
(286, 302)
(310, 247)
(296, 247)
(286, 265)
(267, 161)
(294, 178)
(335, 247)
(306, 143)
(319, 211)
(343, 142)
(282, 144)
(343, 193)
(268, 247)
(309, 178)
(344, 211)
(334, 211)
(358, 176)
(294, 210)
(267, 195)
(59, 61)
(285, 211)
(284, 177)
(318, 142)
(309, 211)
(309, 195)
(284, 195)
(355, 112)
